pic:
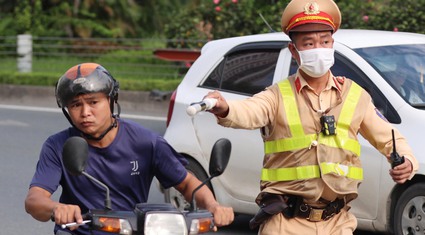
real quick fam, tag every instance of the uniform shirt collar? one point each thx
(300, 82)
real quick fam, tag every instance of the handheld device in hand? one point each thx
(206, 104)
(395, 158)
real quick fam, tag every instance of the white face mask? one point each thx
(316, 62)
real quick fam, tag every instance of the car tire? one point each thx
(171, 195)
(409, 212)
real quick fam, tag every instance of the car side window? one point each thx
(345, 67)
(247, 69)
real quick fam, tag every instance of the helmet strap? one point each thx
(115, 101)
(68, 117)
(90, 137)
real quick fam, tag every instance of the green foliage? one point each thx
(390, 15)
(85, 18)
(210, 20)
(5, 28)
(23, 17)
(196, 20)
(39, 79)
(50, 79)
(404, 15)
(27, 17)
(154, 14)
(355, 12)
(214, 19)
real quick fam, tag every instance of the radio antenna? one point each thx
(265, 21)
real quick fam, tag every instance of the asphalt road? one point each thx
(24, 126)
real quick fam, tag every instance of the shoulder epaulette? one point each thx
(340, 79)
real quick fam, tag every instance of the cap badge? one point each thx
(311, 8)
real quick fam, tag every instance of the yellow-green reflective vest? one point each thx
(300, 140)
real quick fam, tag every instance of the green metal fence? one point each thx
(124, 58)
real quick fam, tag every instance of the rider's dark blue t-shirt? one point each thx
(127, 166)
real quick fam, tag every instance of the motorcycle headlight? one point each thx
(165, 224)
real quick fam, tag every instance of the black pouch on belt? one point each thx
(271, 204)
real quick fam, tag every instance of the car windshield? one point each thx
(402, 66)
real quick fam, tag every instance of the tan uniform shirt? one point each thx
(265, 110)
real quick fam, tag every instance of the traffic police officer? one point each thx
(311, 168)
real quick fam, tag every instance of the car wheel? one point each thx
(174, 197)
(409, 213)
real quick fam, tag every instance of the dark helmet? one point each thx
(83, 79)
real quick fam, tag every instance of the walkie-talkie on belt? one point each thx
(395, 158)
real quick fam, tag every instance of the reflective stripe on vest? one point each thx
(311, 172)
(301, 140)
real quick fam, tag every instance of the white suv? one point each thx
(242, 66)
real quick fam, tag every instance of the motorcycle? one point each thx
(146, 218)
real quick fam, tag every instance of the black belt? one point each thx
(293, 206)
(318, 214)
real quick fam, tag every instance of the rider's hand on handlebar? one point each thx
(221, 108)
(222, 215)
(63, 214)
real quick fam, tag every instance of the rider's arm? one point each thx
(205, 199)
(39, 205)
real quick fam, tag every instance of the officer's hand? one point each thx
(402, 172)
(64, 214)
(221, 109)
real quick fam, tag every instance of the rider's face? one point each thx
(90, 113)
